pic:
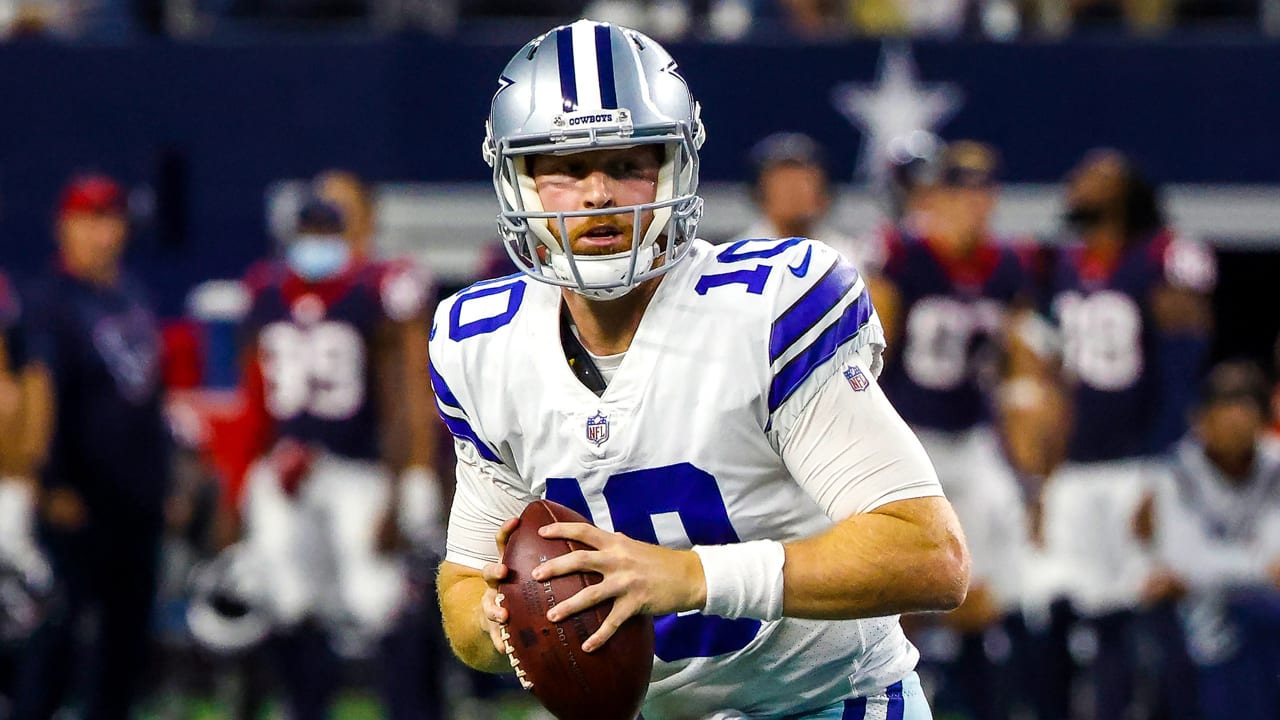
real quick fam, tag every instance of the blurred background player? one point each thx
(1217, 542)
(945, 297)
(416, 642)
(792, 192)
(24, 425)
(336, 363)
(104, 488)
(1130, 300)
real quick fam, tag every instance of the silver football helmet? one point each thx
(589, 86)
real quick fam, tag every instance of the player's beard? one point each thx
(579, 237)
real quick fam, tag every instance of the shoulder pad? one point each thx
(480, 309)
(819, 307)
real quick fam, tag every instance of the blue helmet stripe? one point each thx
(568, 76)
(604, 64)
(790, 377)
(814, 305)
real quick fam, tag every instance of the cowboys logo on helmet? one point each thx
(590, 86)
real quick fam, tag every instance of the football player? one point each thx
(1130, 301)
(1217, 532)
(336, 364)
(90, 324)
(946, 300)
(24, 426)
(792, 192)
(714, 411)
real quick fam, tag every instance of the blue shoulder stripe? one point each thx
(441, 389)
(462, 429)
(790, 377)
(804, 313)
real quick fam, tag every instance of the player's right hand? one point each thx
(495, 615)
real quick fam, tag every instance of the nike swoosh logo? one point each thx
(803, 268)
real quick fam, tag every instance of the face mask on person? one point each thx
(1081, 219)
(318, 257)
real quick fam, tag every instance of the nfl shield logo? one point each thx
(857, 380)
(598, 428)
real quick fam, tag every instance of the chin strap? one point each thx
(580, 362)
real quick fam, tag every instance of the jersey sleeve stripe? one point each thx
(794, 373)
(444, 395)
(462, 430)
(814, 305)
(455, 418)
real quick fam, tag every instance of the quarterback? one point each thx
(714, 411)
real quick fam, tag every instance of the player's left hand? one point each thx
(640, 578)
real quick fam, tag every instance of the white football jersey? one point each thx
(684, 447)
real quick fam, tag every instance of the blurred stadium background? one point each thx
(215, 114)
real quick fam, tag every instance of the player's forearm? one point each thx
(906, 556)
(420, 406)
(37, 419)
(464, 622)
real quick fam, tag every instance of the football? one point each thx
(608, 684)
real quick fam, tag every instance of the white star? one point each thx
(894, 107)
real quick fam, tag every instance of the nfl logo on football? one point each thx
(857, 380)
(598, 428)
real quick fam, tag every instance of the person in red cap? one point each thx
(103, 490)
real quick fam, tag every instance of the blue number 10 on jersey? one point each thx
(690, 493)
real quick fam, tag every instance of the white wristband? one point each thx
(744, 580)
(17, 511)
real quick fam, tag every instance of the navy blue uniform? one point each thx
(1125, 374)
(102, 347)
(314, 345)
(951, 313)
(11, 324)
(110, 447)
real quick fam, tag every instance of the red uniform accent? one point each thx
(973, 270)
(182, 367)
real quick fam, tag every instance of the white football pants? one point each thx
(320, 545)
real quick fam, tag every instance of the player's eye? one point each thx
(629, 169)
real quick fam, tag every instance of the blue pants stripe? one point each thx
(897, 705)
(855, 709)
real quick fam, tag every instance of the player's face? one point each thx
(793, 196)
(92, 240)
(595, 180)
(1095, 186)
(1229, 429)
(967, 210)
(345, 192)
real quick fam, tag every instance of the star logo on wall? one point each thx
(896, 105)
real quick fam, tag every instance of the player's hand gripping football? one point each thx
(495, 616)
(640, 578)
